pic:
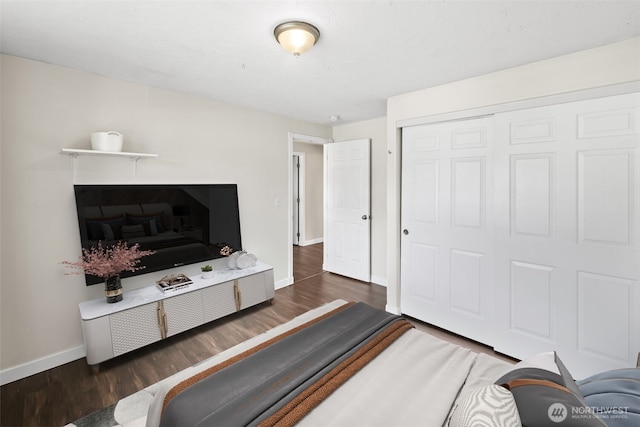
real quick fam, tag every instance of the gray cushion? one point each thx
(545, 397)
(614, 396)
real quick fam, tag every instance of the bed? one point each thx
(347, 364)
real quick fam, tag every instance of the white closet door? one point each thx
(567, 224)
(447, 255)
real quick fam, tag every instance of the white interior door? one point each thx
(569, 243)
(447, 249)
(347, 246)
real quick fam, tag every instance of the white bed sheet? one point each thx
(414, 382)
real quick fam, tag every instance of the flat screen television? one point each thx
(183, 224)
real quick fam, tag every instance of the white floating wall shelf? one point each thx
(75, 153)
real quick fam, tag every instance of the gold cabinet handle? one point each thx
(165, 323)
(237, 295)
(162, 319)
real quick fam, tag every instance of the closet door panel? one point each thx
(606, 336)
(446, 266)
(606, 280)
(532, 195)
(605, 197)
(468, 192)
(566, 213)
(531, 300)
(522, 230)
(466, 282)
(533, 170)
(422, 260)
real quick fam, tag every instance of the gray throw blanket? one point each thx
(256, 387)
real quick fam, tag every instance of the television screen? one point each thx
(183, 224)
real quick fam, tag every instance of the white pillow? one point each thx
(489, 406)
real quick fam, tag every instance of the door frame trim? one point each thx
(309, 139)
(301, 194)
(543, 101)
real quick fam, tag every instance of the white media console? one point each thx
(147, 315)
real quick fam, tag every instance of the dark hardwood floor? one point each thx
(68, 392)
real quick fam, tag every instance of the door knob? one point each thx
(405, 231)
(365, 217)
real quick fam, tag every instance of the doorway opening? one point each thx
(307, 261)
(306, 189)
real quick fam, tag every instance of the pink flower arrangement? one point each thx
(109, 261)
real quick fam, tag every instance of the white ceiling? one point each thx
(367, 52)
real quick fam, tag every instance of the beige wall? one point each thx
(46, 108)
(313, 191)
(607, 65)
(376, 130)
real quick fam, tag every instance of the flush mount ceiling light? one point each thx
(296, 37)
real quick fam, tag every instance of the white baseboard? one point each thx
(40, 365)
(284, 283)
(311, 242)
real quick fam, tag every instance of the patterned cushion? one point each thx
(490, 406)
